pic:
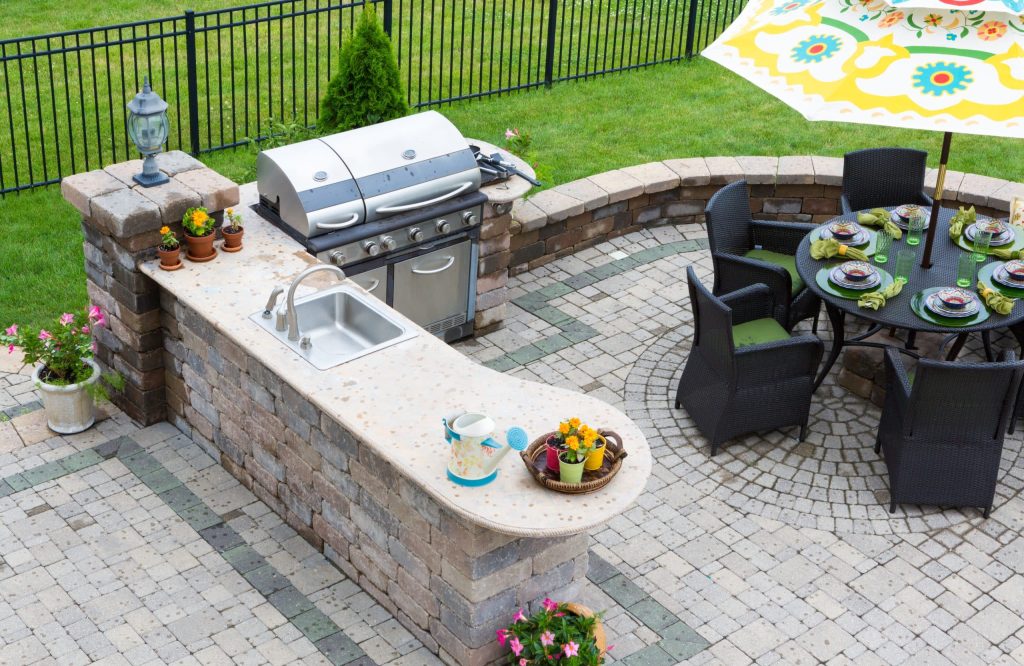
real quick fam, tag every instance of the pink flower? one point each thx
(12, 329)
(10, 349)
(45, 335)
(85, 330)
(516, 646)
(519, 617)
(502, 636)
(549, 605)
(547, 638)
(571, 649)
(67, 318)
(523, 662)
(94, 312)
(93, 346)
(509, 134)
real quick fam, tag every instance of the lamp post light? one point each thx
(148, 128)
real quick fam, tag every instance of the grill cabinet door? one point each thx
(374, 281)
(434, 287)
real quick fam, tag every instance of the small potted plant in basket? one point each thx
(557, 634)
(169, 250)
(199, 234)
(573, 448)
(232, 231)
(67, 377)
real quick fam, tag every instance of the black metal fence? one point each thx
(226, 73)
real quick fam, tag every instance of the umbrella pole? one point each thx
(940, 182)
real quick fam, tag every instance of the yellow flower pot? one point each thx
(595, 458)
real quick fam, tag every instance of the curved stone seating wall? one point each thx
(568, 218)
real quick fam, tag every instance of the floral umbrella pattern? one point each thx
(955, 69)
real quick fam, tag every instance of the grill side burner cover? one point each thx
(309, 187)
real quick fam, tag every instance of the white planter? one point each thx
(69, 409)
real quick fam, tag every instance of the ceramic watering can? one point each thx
(475, 453)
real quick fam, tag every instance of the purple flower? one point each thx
(66, 318)
(12, 329)
(502, 636)
(516, 646)
(519, 617)
(10, 349)
(549, 605)
(45, 335)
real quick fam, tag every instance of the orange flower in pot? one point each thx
(232, 231)
(169, 250)
(199, 234)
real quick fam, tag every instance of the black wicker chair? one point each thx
(746, 251)
(879, 177)
(745, 372)
(943, 437)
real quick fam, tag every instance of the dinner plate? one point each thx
(837, 277)
(902, 222)
(1004, 238)
(862, 237)
(1002, 276)
(933, 303)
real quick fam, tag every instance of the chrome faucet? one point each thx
(292, 317)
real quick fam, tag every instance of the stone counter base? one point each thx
(451, 583)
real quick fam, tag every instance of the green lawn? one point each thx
(681, 110)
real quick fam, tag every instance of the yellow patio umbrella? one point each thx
(944, 65)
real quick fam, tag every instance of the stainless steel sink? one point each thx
(340, 324)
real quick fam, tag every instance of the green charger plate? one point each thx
(1017, 244)
(922, 311)
(867, 248)
(842, 292)
(985, 274)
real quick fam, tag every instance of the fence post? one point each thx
(549, 62)
(193, 81)
(691, 28)
(387, 16)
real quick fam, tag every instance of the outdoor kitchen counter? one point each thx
(393, 400)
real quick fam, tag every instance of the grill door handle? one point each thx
(423, 204)
(339, 225)
(448, 264)
(373, 285)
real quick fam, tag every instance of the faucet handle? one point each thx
(272, 301)
(281, 324)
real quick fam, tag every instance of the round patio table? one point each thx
(897, 313)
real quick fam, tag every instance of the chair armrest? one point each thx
(896, 378)
(798, 356)
(844, 204)
(926, 200)
(733, 272)
(781, 237)
(749, 303)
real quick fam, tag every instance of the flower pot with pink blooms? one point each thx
(560, 634)
(68, 379)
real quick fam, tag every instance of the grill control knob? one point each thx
(415, 235)
(387, 243)
(371, 248)
(337, 258)
(443, 227)
(469, 218)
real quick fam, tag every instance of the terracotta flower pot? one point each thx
(69, 408)
(599, 636)
(170, 260)
(232, 239)
(200, 248)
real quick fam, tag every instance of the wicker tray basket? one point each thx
(536, 462)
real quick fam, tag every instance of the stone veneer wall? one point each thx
(567, 218)
(451, 583)
(492, 273)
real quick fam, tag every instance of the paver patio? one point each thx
(130, 545)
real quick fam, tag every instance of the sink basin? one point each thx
(342, 324)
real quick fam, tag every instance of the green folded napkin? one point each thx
(877, 299)
(994, 300)
(830, 247)
(1004, 254)
(880, 217)
(961, 220)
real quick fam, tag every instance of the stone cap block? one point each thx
(827, 170)
(177, 161)
(975, 189)
(1004, 196)
(215, 191)
(81, 188)
(556, 205)
(172, 197)
(125, 213)
(692, 171)
(758, 170)
(723, 170)
(585, 190)
(796, 170)
(124, 171)
(527, 216)
(618, 184)
(655, 176)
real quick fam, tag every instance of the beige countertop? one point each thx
(393, 400)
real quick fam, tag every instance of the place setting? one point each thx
(986, 236)
(1005, 277)
(853, 279)
(850, 234)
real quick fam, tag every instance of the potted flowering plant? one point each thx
(169, 250)
(573, 448)
(232, 231)
(557, 634)
(199, 234)
(67, 377)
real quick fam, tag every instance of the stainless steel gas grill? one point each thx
(396, 205)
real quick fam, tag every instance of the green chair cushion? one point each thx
(787, 261)
(758, 331)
